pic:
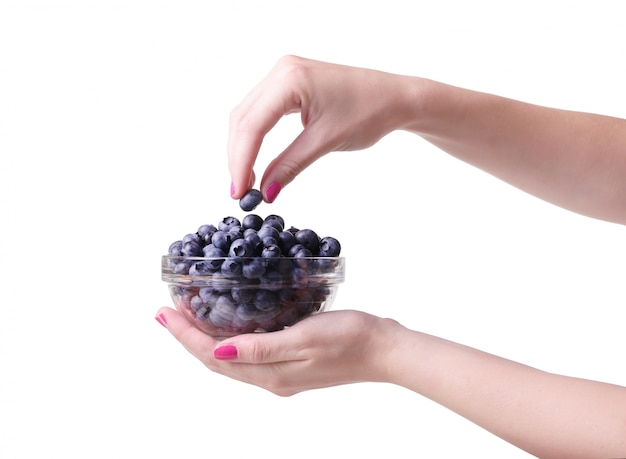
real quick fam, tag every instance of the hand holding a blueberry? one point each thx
(572, 159)
(342, 108)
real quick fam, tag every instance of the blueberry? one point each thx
(223, 239)
(217, 257)
(269, 241)
(266, 300)
(203, 312)
(225, 305)
(227, 223)
(196, 303)
(271, 251)
(329, 247)
(208, 295)
(241, 248)
(175, 249)
(252, 221)
(242, 295)
(253, 238)
(272, 280)
(182, 267)
(276, 221)
(286, 241)
(223, 312)
(218, 319)
(301, 256)
(201, 268)
(295, 249)
(250, 200)
(309, 239)
(211, 251)
(269, 231)
(205, 232)
(231, 267)
(253, 268)
(236, 231)
(246, 311)
(192, 249)
(303, 253)
(192, 237)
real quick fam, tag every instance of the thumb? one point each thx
(259, 348)
(310, 145)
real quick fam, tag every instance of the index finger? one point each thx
(251, 120)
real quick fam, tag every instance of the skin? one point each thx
(572, 159)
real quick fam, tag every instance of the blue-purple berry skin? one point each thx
(250, 200)
(227, 223)
(276, 221)
(309, 239)
(329, 247)
(286, 240)
(175, 249)
(241, 248)
(192, 248)
(253, 268)
(253, 221)
(268, 231)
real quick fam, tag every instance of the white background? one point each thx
(113, 126)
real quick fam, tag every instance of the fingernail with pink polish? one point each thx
(272, 191)
(161, 319)
(226, 352)
(232, 189)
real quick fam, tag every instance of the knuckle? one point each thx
(291, 70)
(258, 353)
(290, 169)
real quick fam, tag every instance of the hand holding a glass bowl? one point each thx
(323, 350)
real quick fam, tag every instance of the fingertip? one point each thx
(271, 192)
(225, 352)
(239, 187)
(162, 314)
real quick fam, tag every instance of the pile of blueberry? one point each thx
(252, 274)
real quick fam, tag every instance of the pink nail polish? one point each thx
(232, 189)
(226, 352)
(272, 191)
(161, 319)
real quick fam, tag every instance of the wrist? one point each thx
(417, 102)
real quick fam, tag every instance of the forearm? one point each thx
(545, 414)
(575, 160)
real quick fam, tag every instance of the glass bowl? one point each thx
(229, 296)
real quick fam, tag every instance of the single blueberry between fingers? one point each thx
(250, 200)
